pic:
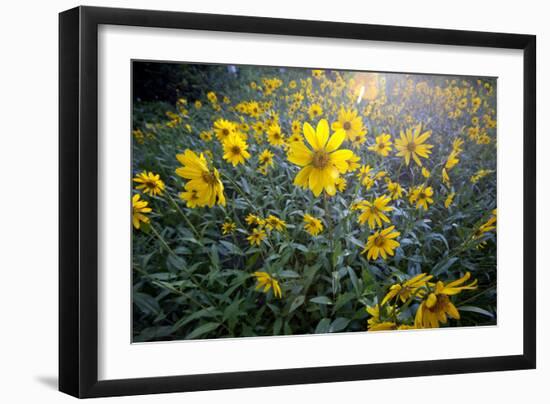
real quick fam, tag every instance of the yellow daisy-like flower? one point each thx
(395, 190)
(274, 223)
(224, 128)
(296, 126)
(323, 163)
(206, 136)
(353, 162)
(374, 323)
(256, 237)
(422, 196)
(267, 282)
(266, 158)
(410, 288)
(139, 208)
(411, 145)
(253, 220)
(212, 97)
(351, 123)
(452, 160)
(275, 136)
(436, 306)
(383, 145)
(381, 243)
(318, 74)
(374, 212)
(457, 145)
(341, 184)
(150, 183)
(235, 149)
(312, 225)
(190, 196)
(489, 225)
(295, 137)
(315, 111)
(203, 181)
(449, 199)
(228, 228)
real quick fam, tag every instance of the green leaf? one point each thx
(339, 324)
(323, 326)
(321, 300)
(478, 310)
(147, 304)
(201, 330)
(297, 302)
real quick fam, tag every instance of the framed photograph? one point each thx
(251, 202)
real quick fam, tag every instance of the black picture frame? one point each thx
(78, 201)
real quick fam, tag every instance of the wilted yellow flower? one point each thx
(267, 282)
(139, 208)
(410, 288)
(150, 183)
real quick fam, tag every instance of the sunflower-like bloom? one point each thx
(235, 149)
(139, 208)
(323, 163)
(422, 196)
(224, 128)
(395, 190)
(228, 228)
(414, 287)
(436, 305)
(374, 212)
(275, 136)
(267, 282)
(253, 220)
(352, 124)
(382, 145)
(411, 144)
(150, 183)
(314, 111)
(312, 225)
(266, 158)
(381, 243)
(204, 184)
(256, 237)
(274, 223)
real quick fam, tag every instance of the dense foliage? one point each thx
(293, 201)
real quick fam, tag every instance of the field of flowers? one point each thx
(270, 201)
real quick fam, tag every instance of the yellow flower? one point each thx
(198, 104)
(422, 196)
(395, 190)
(381, 243)
(351, 123)
(228, 228)
(411, 144)
(206, 136)
(452, 160)
(139, 207)
(318, 74)
(190, 196)
(449, 199)
(410, 288)
(383, 145)
(295, 137)
(235, 149)
(341, 184)
(374, 323)
(425, 172)
(457, 145)
(489, 225)
(323, 163)
(296, 126)
(253, 220)
(212, 97)
(314, 111)
(445, 177)
(266, 158)
(150, 183)
(267, 282)
(479, 175)
(205, 183)
(273, 222)
(257, 236)
(224, 128)
(436, 306)
(312, 225)
(274, 135)
(374, 212)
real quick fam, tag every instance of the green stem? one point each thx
(183, 215)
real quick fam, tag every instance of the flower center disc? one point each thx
(236, 150)
(209, 178)
(321, 159)
(379, 241)
(411, 147)
(347, 125)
